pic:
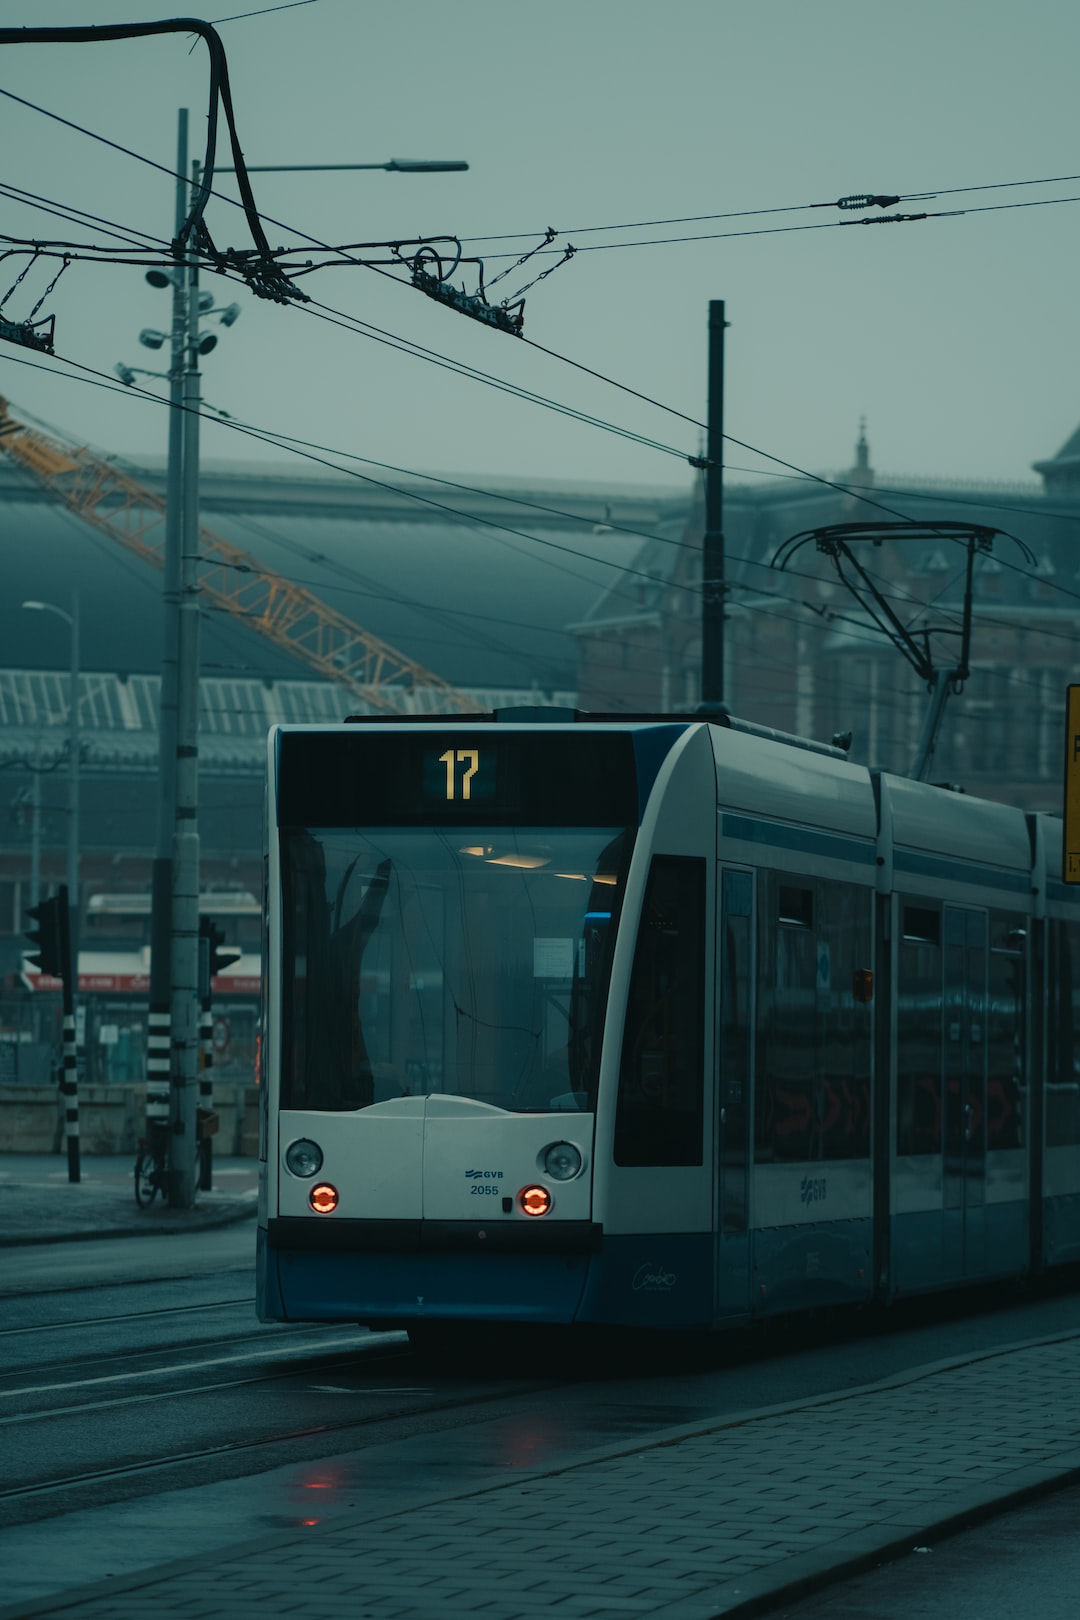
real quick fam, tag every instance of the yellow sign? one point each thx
(1071, 843)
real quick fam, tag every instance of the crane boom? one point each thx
(293, 618)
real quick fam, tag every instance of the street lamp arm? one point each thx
(48, 607)
(395, 165)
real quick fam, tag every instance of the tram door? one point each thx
(965, 1008)
(734, 1047)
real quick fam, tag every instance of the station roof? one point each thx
(449, 588)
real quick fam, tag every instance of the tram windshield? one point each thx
(467, 961)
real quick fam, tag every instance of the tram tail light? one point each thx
(323, 1198)
(534, 1200)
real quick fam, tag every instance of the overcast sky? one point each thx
(954, 337)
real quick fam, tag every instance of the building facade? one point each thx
(801, 654)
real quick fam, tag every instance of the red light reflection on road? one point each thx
(522, 1446)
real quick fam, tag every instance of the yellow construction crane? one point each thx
(286, 614)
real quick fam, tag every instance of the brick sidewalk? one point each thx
(704, 1521)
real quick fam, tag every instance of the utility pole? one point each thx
(712, 599)
(35, 825)
(158, 1036)
(184, 955)
(73, 793)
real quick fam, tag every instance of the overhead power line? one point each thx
(788, 208)
(406, 345)
(825, 618)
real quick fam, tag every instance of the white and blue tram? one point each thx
(664, 1022)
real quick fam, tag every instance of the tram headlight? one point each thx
(304, 1158)
(561, 1161)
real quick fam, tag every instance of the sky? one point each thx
(954, 337)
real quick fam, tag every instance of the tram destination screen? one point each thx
(358, 779)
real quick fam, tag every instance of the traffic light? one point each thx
(47, 938)
(220, 955)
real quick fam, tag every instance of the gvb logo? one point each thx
(812, 1189)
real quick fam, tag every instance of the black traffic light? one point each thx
(48, 937)
(219, 955)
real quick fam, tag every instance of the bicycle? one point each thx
(152, 1163)
(152, 1167)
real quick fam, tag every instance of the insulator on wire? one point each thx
(866, 200)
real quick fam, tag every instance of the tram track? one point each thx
(322, 1432)
(70, 1324)
(265, 1341)
(164, 1368)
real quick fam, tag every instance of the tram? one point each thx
(664, 1023)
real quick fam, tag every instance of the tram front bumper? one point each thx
(412, 1271)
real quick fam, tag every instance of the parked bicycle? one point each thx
(152, 1161)
(152, 1166)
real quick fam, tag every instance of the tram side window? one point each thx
(786, 1104)
(813, 1094)
(1006, 1087)
(844, 1023)
(659, 1117)
(1063, 1051)
(919, 1031)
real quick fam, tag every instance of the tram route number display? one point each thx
(382, 778)
(462, 765)
(464, 778)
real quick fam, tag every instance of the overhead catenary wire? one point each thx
(821, 225)
(320, 454)
(77, 216)
(263, 11)
(826, 621)
(379, 335)
(854, 630)
(788, 208)
(923, 194)
(393, 340)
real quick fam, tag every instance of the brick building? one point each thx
(801, 655)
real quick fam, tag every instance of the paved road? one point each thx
(752, 1478)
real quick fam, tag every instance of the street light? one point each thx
(72, 620)
(173, 1023)
(173, 1029)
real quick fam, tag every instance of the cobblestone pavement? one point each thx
(703, 1521)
